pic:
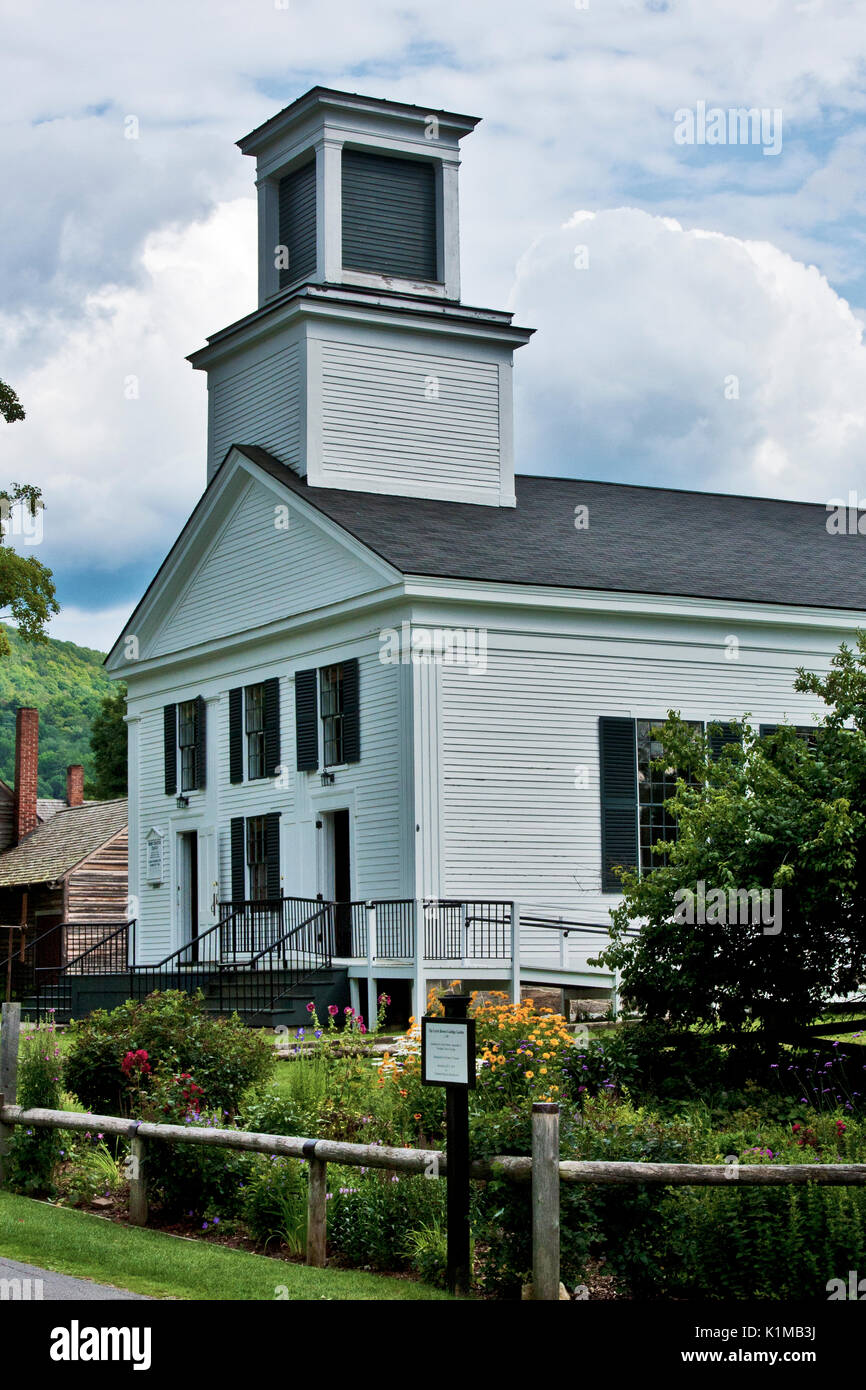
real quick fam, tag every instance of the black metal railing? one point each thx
(293, 937)
(467, 930)
(110, 949)
(41, 968)
(269, 976)
(395, 929)
(252, 925)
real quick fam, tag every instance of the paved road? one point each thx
(59, 1287)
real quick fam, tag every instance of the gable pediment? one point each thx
(252, 554)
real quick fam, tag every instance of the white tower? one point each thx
(361, 369)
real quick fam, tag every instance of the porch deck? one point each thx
(262, 957)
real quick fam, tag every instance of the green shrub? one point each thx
(274, 1203)
(35, 1153)
(372, 1214)
(502, 1208)
(427, 1249)
(177, 1034)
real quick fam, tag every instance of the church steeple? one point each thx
(355, 191)
(361, 369)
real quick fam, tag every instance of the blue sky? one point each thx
(699, 307)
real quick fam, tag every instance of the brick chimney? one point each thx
(26, 771)
(75, 784)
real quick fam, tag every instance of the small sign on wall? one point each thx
(155, 852)
(448, 1052)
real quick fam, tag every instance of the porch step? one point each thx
(289, 1009)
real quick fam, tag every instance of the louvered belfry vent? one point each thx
(389, 215)
(297, 218)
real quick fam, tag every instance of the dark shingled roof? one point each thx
(56, 846)
(640, 540)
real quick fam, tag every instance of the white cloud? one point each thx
(116, 419)
(97, 628)
(687, 357)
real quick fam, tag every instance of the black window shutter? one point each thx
(239, 859)
(236, 735)
(200, 743)
(169, 733)
(272, 852)
(306, 721)
(618, 761)
(351, 712)
(765, 730)
(723, 734)
(297, 197)
(272, 726)
(389, 215)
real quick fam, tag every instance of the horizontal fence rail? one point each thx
(516, 1168)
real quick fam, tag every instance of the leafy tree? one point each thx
(10, 407)
(27, 593)
(778, 812)
(108, 746)
(66, 683)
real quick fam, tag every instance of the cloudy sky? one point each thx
(699, 302)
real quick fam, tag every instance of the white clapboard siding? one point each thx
(155, 915)
(256, 398)
(256, 572)
(374, 789)
(392, 416)
(515, 821)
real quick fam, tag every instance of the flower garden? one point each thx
(635, 1091)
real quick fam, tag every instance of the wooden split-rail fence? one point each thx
(544, 1170)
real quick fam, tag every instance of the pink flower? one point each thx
(363, 1028)
(332, 1009)
(348, 1010)
(311, 1007)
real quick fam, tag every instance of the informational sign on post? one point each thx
(448, 1052)
(448, 1059)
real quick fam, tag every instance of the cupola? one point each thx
(356, 191)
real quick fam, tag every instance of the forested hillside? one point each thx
(66, 683)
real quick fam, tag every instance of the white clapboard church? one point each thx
(389, 703)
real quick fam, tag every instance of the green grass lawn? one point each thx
(72, 1242)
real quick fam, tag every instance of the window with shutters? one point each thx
(187, 737)
(257, 858)
(332, 709)
(655, 786)
(255, 730)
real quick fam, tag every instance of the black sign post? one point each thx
(448, 1059)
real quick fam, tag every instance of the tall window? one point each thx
(187, 741)
(332, 709)
(255, 729)
(257, 866)
(655, 786)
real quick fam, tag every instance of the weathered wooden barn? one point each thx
(63, 880)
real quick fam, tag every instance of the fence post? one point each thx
(9, 1041)
(137, 1183)
(372, 1005)
(317, 1211)
(545, 1201)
